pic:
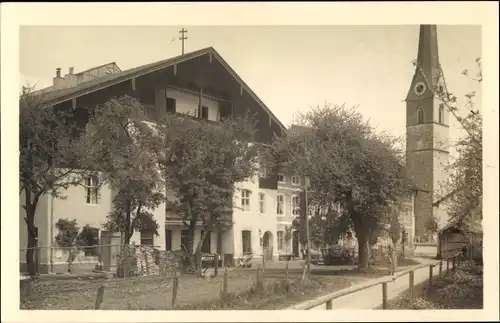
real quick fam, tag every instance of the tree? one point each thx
(124, 149)
(464, 194)
(202, 162)
(349, 164)
(68, 236)
(50, 158)
(325, 226)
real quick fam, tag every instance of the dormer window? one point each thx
(420, 115)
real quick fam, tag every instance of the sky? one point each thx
(290, 68)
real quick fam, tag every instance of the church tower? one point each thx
(427, 131)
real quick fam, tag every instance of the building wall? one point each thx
(74, 207)
(288, 190)
(253, 220)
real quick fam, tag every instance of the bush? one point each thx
(462, 289)
(419, 303)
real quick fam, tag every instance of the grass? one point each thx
(155, 293)
(462, 289)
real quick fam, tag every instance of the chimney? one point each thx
(58, 80)
(70, 79)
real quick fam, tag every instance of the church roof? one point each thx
(428, 55)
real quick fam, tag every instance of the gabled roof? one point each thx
(62, 95)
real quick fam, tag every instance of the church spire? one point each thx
(428, 56)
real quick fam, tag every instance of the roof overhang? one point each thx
(60, 96)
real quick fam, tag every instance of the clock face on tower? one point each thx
(419, 88)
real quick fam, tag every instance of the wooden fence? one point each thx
(327, 300)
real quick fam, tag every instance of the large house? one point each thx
(200, 84)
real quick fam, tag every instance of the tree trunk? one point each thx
(71, 258)
(30, 224)
(363, 250)
(190, 243)
(127, 230)
(30, 252)
(197, 254)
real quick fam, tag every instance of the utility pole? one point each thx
(306, 203)
(308, 248)
(182, 38)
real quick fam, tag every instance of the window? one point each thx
(245, 200)
(262, 172)
(420, 115)
(280, 204)
(281, 178)
(184, 239)
(281, 236)
(441, 115)
(204, 112)
(171, 105)
(91, 190)
(295, 180)
(246, 237)
(407, 214)
(168, 240)
(147, 238)
(295, 205)
(205, 247)
(261, 203)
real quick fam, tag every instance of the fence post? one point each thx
(430, 275)
(329, 305)
(146, 261)
(384, 295)
(259, 278)
(175, 289)
(37, 261)
(99, 297)
(447, 266)
(225, 282)
(223, 292)
(263, 262)
(286, 271)
(440, 268)
(216, 265)
(454, 259)
(412, 274)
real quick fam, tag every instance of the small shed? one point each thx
(451, 239)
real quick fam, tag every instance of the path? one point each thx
(371, 298)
